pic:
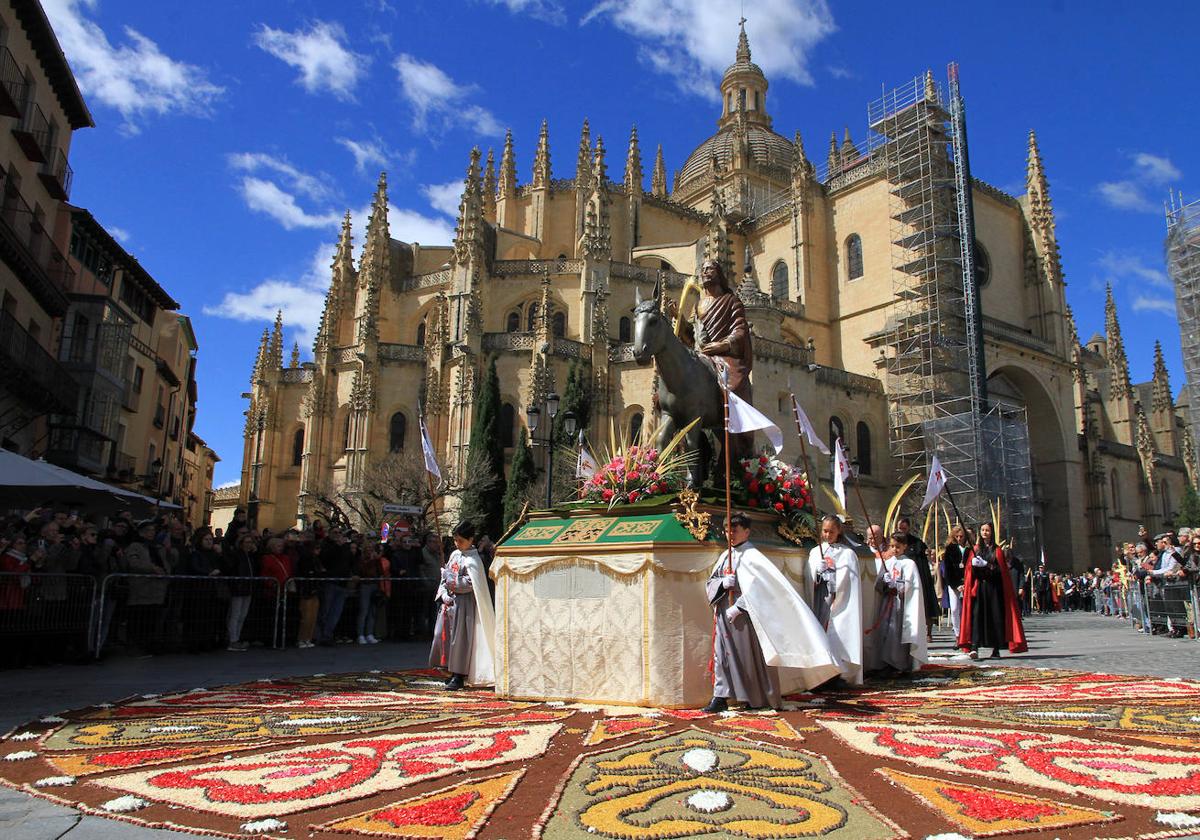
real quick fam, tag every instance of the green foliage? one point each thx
(1189, 508)
(520, 480)
(576, 398)
(482, 499)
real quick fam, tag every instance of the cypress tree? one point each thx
(520, 480)
(483, 500)
(1188, 515)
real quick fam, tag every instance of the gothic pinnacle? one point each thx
(599, 168)
(743, 47)
(931, 91)
(658, 181)
(489, 184)
(633, 163)
(295, 354)
(1161, 391)
(849, 150)
(541, 159)
(508, 168)
(275, 348)
(833, 153)
(260, 359)
(800, 161)
(583, 163)
(1118, 363)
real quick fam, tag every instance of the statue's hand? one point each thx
(715, 348)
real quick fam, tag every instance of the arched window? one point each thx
(514, 322)
(559, 324)
(1166, 501)
(635, 427)
(346, 433)
(863, 448)
(983, 265)
(531, 318)
(1114, 487)
(624, 331)
(779, 281)
(298, 447)
(421, 334)
(396, 430)
(854, 257)
(508, 420)
(836, 430)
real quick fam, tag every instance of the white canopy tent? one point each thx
(26, 484)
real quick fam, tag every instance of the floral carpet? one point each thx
(951, 752)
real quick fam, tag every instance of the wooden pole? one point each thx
(728, 496)
(808, 470)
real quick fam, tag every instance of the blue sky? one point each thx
(231, 136)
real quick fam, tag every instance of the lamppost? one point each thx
(533, 415)
(156, 467)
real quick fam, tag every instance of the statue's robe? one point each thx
(464, 636)
(901, 622)
(724, 320)
(837, 597)
(775, 647)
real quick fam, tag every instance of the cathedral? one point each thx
(543, 275)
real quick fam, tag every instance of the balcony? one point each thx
(160, 416)
(33, 134)
(12, 84)
(57, 174)
(123, 467)
(103, 350)
(31, 373)
(33, 256)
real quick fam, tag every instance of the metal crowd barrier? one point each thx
(186, 613)
(1171, 606)
(49, 612)
(329, 608)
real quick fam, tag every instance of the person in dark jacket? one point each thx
(242, 562)
(207, 603)
(338, 561)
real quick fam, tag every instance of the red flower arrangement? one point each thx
(768, 483)
(628, 477)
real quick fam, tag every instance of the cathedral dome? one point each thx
(766, 148)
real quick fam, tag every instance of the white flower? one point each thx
(24, 736)
(53, 719)
(699, 759)
(1177, 819)
(263, 826)
(124, 804)
(709, 801)
(20, 756)
(55, 781)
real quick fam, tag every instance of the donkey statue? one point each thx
(687, 385)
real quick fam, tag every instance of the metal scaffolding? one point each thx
(1183, 265)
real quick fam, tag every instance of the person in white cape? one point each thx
(464, 636)
(767, 642)
(837, 593)
(901, 621)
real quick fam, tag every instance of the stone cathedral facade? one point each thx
(543, 274)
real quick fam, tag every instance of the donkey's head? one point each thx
(650, 327)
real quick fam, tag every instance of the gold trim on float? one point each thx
(646, 630)
(601, 548)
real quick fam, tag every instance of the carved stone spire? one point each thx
(541, 159)
(633, 164)
(374, 268)
(275, 349)
(540, 376)
(1073, 345)
(1189, 458)
(849, 150)
(1041, 212)
(743, 47)
(1118, 364)
(658, 181)
(508, 168)
(260, 359)
(1161, 399)
(468, 233)
(717, 245)
(834, 161)
(931, 90)
(341, 281)
(596, 241)
(295, 363)
(489, 185)
(1145, 445)
(583, 163)
(800, 162)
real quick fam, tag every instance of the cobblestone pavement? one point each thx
(1080, 641)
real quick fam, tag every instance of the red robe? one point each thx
(1013, 631)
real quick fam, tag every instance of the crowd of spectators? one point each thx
(71, 589)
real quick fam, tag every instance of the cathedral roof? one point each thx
(766, 148)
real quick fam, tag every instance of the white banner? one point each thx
(937, 482)
(744, 417)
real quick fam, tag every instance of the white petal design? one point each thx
(124, 804)
(709, 801)
(20, 755)
(263, 826)
(1177, 819)
(24, 736)
(55, 781)
(699, 759)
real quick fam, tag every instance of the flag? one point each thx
(744, 417)
(806, 427)
(841, 471)
(585, 465)
(937, 482)
(431, 464)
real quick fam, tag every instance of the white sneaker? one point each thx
(362, 640)
(236, 648)
(371, 640)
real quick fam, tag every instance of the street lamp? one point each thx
(156, 467)
(533, 416)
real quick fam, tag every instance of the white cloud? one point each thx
(839, 72)
(1124, 195)
(312, 186)
(438, 102)
(550, 11)
(693, 41)
(1149, 171)
(265, 197)
(1118, 266)
(320, 54)
(404, 225)
(366, 153)
(444, 197)
(1150, 303)
(119, 234)
(136, 78)
(1155, 169)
